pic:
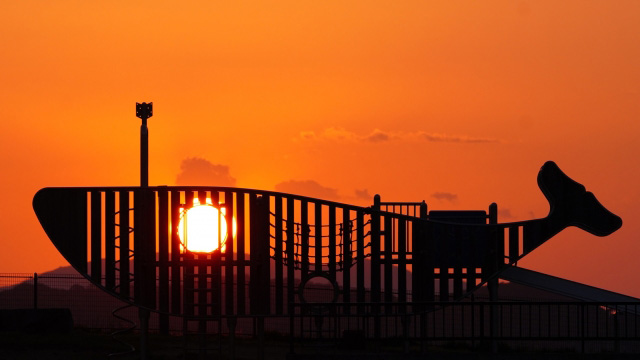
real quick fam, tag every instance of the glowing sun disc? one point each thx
(198, 228)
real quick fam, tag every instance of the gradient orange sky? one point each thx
(457, 103)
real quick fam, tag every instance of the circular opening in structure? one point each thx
(318, 288)
(202, 228)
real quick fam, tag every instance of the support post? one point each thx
(375, 266)
(259, 272)
(425, 271)
(35, 291)
(144, 111)
(492, 284)
(143, 315)
(231, 324)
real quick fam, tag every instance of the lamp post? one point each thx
(143, 111)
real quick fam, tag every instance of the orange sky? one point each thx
(408, 99)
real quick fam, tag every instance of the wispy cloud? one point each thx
(445, 196)
(379, 136)
(505, 213)
(344, 135)
(433, 137)
(309, 188)
(363, 194)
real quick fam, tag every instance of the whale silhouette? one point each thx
(282, 241)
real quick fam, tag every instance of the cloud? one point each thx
(307, 188)
(339, 134)
(307, 135)
(201, 172)
(445, 196)
(433, 137)
(505, 214)
(343, 135)
(363, 194)
(378, 136)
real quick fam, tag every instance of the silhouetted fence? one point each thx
(93, 308)
(90, 306)
(577, 326)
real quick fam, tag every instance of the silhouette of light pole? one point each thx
(144, 111)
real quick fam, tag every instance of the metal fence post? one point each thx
(616, 324)
(583, 323)
(35, 291)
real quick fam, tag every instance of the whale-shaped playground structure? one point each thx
(126, 241)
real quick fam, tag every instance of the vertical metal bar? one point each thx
(176, 262)
(332, 241)
(422, 259)
(278, 255)
(388, 260)
(35, 291)
(375, 251)
(123, 236)
(260, 260)
(201, 275)
(265, 258)
(471, 278)
(393, 230)
(444, 233)
(144, 154)
(420, 283)
(346, 259)
(457, 282)
(514, 251)
(530, 320)
(492, 284)
(215, 273)
(163, 259)
(318, 236)
(633, 325)
(375, 264)
(291, 260)
(142, 236)
(473, 325)
(360, 270)
(521, 328)
(109, 240)
(228, 254)
(215, 269)
(582, 326)
(144, 246)
(240, 254)
(96, 236)
(304, 237)
(188, 268)
(402, 262)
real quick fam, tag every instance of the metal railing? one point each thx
(90, 306)
(579, 326)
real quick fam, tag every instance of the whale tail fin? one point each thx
(572, 205)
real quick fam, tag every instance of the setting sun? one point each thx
(198, 227)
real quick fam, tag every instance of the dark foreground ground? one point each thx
(85, 344)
